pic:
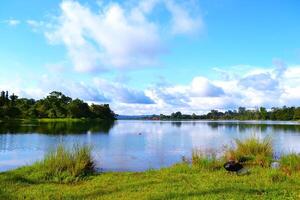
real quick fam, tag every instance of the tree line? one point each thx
(275, 113)
(55, 105)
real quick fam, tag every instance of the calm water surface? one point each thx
(137, 145)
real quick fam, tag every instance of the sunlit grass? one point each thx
(290, 163)
(206, 159)
(65, 165)
(252, 150)
(181, 181)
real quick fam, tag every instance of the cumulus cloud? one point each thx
(262, 81)
(174, 96)
(254, 88)
(74, 89)
(202, 87)
(44, 84)
(98, 91)
(122, 94)
(199, 95)
(116, 36)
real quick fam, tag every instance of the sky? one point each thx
(153, 56)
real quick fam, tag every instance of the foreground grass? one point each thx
(252, 150)
(66, 174)
(181, 181)
(64, 165)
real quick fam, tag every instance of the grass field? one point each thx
(180, 181)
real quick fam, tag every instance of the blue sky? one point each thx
(153, 56)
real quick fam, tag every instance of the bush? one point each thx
(65, 165)
(252, 151)
(290, 163)
(206, 160)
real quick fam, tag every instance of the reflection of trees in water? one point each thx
(177, 124)
(243, 127)
(57, 127)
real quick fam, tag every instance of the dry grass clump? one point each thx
(290, 163)
(64, 165)
(253, 151)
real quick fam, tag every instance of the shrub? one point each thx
(65, 165)
(252, 151)
(290, 163)
(206, 160)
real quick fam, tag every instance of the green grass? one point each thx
(290, 163)
(253, 151)
(61, 119)
(206, 160)
(181, 181)
(64, 165)
(47, 120)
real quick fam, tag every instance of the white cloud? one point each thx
(117, 36)
(261, 81)
(12, 22)
(121, 93)
(182, 21)
(199, 96)
(253, 88)
(43, 85)
(202, 87)
(34, 24)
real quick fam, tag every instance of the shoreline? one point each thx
(179, 181)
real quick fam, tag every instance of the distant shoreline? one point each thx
(210, 120)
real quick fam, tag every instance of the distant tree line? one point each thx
(55, 105)
(284, 113)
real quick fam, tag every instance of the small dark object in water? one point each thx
(233, 166)
(140, 133)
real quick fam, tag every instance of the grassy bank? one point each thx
(68, 174)
(181, 181)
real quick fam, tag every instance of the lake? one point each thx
(135, 145)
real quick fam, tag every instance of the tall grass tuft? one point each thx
(290, 163)
(206, 160)
(65, 165)
(253, 151)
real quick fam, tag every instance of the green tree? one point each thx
(263, 113)
(102, 111)
(78, 109)
(297, 114)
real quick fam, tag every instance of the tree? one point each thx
(242, 110)
(176, 115)
(55, 105)
(194, 116)
(263, 113)
(78, 109)
(57, 102)
(2, 98)
(102, 111)
(13, 99)
(297, 114)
